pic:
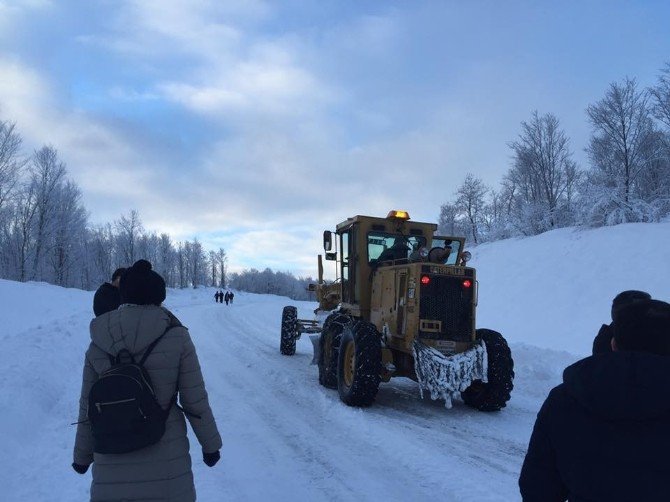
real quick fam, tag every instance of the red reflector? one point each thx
(425, 280)
(467, 283)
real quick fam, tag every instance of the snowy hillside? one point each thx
(288, 439)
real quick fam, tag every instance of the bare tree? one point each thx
(198, 262)
(544, 173)
(623, 148)
(24, 216)
(213, 269)
(181, 265)
(470, 201)
(623, 134)
(661, 96)
(11, 162)
(69, 220)
(450, 220)
(129, 231)
(47, 177)
(166, 259)
(221, 260)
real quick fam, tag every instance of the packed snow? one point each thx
(288, 439)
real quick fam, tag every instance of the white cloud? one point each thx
(99, 159)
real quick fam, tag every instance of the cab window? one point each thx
(380, 244)
(455, 245)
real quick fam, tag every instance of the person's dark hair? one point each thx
(644, 326)
(141, 285)
(626, 298)
(117, 273)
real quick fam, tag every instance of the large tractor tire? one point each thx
(359, 364)
(329, 344)
(289, 330)
(493, 395)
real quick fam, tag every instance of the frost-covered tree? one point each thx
(470, 201)
(661, 96)
(449, 222)
(221, 259)
(21, 242)
(11, 162)
(47, 175)
(197, 261)
(270, 282)
(129, 229)
(69, 221)
(543, 175)
(624, 148)
(167, 259)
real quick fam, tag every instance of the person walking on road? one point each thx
(107, 297)
(162, 470)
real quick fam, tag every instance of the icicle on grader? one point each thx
(403, 304)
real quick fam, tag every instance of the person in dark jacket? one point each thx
(604, 433)
(227, 297)
(161, 471)
(108, 297)
(603, 340)
(231, 295)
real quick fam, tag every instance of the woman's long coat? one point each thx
(161, 471)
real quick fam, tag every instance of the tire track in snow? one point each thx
(402, 441)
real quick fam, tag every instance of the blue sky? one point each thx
(255, 125)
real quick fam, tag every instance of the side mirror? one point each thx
(327, 242)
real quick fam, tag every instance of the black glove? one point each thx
(81, 469)
(211, 458)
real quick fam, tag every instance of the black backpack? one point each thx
(122, 407)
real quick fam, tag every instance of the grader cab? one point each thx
(403, 304)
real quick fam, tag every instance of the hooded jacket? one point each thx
(604, 433)
(161, 471)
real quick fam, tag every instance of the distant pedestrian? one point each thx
(217, 297)
(231, 295)
(227, 297)
(604, 433)
(162, 470)
(108, 297)
(603, 340)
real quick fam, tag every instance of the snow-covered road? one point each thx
(288, 438)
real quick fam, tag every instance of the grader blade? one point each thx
(316, 345)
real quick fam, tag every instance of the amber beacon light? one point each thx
(398, 215)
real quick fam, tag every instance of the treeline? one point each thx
(627, 178)
(45, 234)
(274, 283)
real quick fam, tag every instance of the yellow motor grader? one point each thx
(403, 304)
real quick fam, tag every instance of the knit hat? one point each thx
(644, 326)
(141, 285)
(626, 298)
